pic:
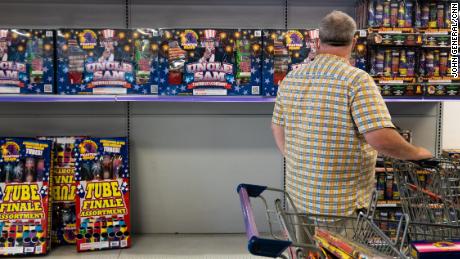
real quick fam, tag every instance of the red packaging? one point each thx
(102, 177)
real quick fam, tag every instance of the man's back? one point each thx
(325, 107)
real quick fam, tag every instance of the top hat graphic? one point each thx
(210, 35)
(108, 34)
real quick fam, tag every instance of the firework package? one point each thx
(26, 61)
(210, 62)
(285, 50)
(449, 249)
(404, 14)
(107, 61)
(24, 196)
(102, 178)
(63, 190)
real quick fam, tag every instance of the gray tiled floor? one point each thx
(228, 246)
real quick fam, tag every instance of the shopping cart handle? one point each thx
(267, 247)
(252, 190)
(256, 245)
(426, 163)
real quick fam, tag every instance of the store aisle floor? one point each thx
(168, 246)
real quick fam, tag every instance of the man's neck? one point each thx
(343, 52)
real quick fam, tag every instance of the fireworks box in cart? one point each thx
(285, 50)
(107, 61)
(431, 250)
(210, 62)
(26, 61)
(24, 196)
(63, 190)
(102, 202)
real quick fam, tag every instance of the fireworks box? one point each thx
(443, 90)
(285, 50)
(429, 250)
(24, 196)
(102, 178)
(26, 61)
(451, 153)
(210, 62)
(409, 90)
(107, 61)
(63, 190)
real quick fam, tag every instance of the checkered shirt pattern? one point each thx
(325, 108)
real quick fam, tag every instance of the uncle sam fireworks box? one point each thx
(210, 62)
(26, 61)
(285, 50)
(63, 190)
(107, 61)
(102, 203)
(24, 196)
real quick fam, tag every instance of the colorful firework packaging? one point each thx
(102, 178)
(210, 62)
(285, 50)
(107, 61)
(24, 196)
(26, 61)
(63, 190)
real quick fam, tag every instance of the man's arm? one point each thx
(387, 141)
(278, 135)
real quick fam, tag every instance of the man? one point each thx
(329, 122)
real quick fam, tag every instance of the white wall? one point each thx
(451, 125)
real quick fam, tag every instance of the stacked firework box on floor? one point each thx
(102, 178)
(25, 216)
(63, 190)
(107, 61)
(26, 61)
(210, 62)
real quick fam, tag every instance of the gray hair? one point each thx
(337, 29)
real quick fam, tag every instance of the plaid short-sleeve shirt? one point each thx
(325, 108)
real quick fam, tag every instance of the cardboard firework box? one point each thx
(102, 176)
(25, 215)
(26, 61)
(431, 250)
(63, 190)
(285, 50)
(107, 61)
(210, 62)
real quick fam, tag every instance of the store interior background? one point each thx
(187, 158)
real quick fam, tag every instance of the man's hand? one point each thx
(388, 142)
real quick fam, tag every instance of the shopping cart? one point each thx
(286, 226)
(430, 196)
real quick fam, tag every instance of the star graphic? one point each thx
(267, 94)
(183, 88)
(74, 91)
(173, 92)
(267, 61)
(45, 69)
(245, 92)
(152, 70)
(237, 88)
(166, 70)
(145, 91)
(258, 60)
(267, 81)
(136, 87)
(49, 79)
(82, 87)
(30, 86)
(162, 60)
(257, 80)
(162, 80)
(61, 79)
(38, 91)
(231, 80)
(253, 70)
(272, 71)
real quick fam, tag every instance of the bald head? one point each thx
(337, 29)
